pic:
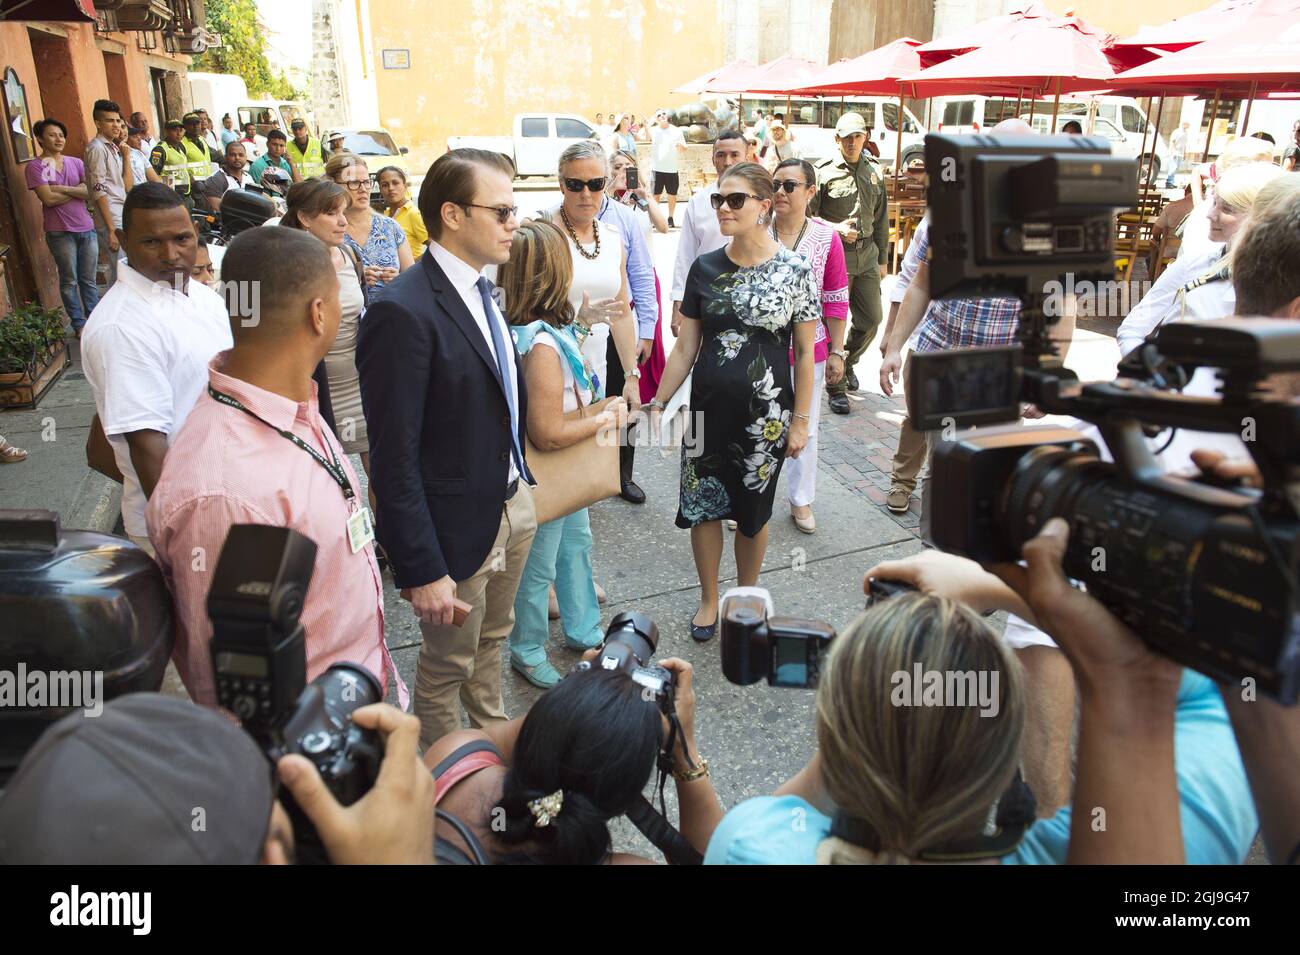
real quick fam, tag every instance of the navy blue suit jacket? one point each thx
(439, 427)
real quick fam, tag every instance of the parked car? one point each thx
(812, 124)
(538, 140)
(378, 148)
(1124, 120)
(220, 93)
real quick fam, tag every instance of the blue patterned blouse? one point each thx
(380, 249)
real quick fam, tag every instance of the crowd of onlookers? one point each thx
(457, 349)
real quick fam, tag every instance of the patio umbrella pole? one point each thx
(1245, 123)
(1056, 104)
(789, 119)
(1146, 187)
(927, 113)
(1020, 95)
(1209, 129)
(898, 138)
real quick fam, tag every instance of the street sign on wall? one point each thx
(397, 59)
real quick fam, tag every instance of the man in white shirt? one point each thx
(141, 122)
(147, 351)
(700, 232)
(232, 174)
(667, 146)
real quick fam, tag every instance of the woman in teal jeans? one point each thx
(913, 783)
(535, 284)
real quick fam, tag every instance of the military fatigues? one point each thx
(857, 194)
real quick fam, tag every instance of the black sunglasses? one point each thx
(504, 213)
(734, 200)
(789, 185)
(595, 185)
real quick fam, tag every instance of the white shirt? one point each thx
(1163, 303)
(464, 278)
(700, 235)
(600, 278)
(663, 147)
(145, 352)
(233, 183)
(570, 399)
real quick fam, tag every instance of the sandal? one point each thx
(539, 674)
(9, 454)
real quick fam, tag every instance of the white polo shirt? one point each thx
(700, 235)
(145, 352)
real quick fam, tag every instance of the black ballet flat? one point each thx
(703, 634)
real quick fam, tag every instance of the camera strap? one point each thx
(331, 465)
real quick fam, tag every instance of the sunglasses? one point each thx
(595, 185)
(504, 213)
(789, 185)
(734, 200)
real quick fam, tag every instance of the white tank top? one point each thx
(601, 277)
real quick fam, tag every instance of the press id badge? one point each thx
(361, 530)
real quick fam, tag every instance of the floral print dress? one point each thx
(742, 389)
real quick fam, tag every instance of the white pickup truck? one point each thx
(538, 140)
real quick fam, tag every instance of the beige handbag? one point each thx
(577, 476)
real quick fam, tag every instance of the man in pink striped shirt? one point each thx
(255, 450)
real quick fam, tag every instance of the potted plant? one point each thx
(32, 354)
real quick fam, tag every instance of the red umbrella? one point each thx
(725, 74)
(778, 75)
(989, 31)
(1185, 31)
(1037, 55)
(1262, 50)
(872, 74)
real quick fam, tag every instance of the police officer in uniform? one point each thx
(169, 160)
(305, 151)
(851, 195)
(202, 161)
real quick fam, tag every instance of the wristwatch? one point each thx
(844, 355)
(634, 373)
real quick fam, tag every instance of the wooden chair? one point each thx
(1165, 253)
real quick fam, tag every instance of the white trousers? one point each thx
(801, 472)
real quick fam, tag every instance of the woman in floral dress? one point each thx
(750, 408)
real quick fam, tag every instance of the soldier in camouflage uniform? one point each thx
(851, 194)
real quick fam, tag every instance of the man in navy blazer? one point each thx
(446, 408)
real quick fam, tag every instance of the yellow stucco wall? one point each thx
(475, 63)
(1124, 17)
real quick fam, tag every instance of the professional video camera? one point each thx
(1206, 574)
(755, 644)
(260, 664)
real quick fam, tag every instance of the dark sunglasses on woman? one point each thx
(734, 200)
(789, 185)
(595, 185)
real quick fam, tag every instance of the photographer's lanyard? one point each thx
(360, 529)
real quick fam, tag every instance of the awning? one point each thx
(79, 11)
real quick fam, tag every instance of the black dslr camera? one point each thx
(1205, 574)
(630, 642)
(260, 664)
(786, 650)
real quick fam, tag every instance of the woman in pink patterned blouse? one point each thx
(795, 181)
